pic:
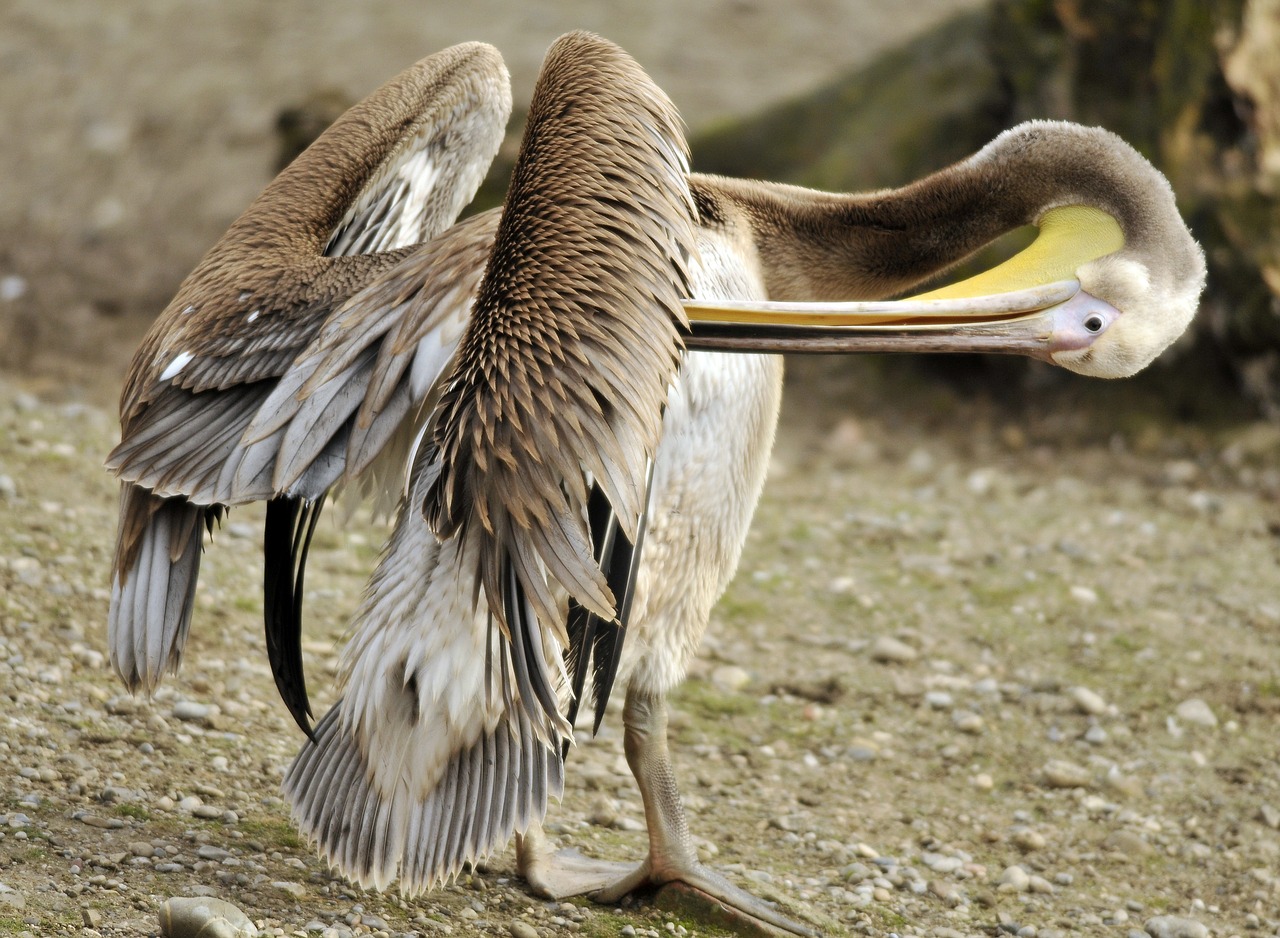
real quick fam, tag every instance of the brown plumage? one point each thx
(560, 379)
(395, 170)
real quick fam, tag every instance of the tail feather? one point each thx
(153, 584)
(489, 790)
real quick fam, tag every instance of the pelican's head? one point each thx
(1111, 280)
(1127, 317)
(1132, 293)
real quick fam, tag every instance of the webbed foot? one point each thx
(682, 885)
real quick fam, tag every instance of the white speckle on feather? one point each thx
(413, 457)
(176, 366)
(254, 315)
(244, 296)
(421, 177)
(189, 310)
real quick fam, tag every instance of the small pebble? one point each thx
(1269, 816)
(12, 287)
(941, 863)
(522, 930)
(1040, 886)
(1170, 926)
(1027, 840)
(103, 823)
(730, 677)
(604, 811)
(192, 711)
(1128, 843)
(204, 917)
(947, 892)
(1196, 712)
(1087, 701)
(1014, 879)
(1058, 773)
(938, 699)
(1085, 595)
(889, 650)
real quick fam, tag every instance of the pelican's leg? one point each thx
(708, 474)
(671, 859)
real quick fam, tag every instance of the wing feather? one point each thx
(418, 770)
(588, 268)
(393, 171)
(378, 356)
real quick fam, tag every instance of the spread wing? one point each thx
(368, 371)
(395, 170)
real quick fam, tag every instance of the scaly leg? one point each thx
(671, 859)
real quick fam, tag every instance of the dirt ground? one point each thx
(986, 668)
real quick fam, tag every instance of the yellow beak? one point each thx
(1029, 305)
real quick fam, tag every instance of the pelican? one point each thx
(575, 463)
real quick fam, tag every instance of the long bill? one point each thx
(1031, 304)
(1019, 322)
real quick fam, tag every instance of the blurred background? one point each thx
(137, 130)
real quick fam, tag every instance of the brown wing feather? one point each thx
(380, 354)
(395, 170)
(262, 292)
(574, 339)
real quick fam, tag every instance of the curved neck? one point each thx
(827, 247)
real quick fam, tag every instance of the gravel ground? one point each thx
(978, 674)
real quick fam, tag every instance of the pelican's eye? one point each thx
(1094, 323)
